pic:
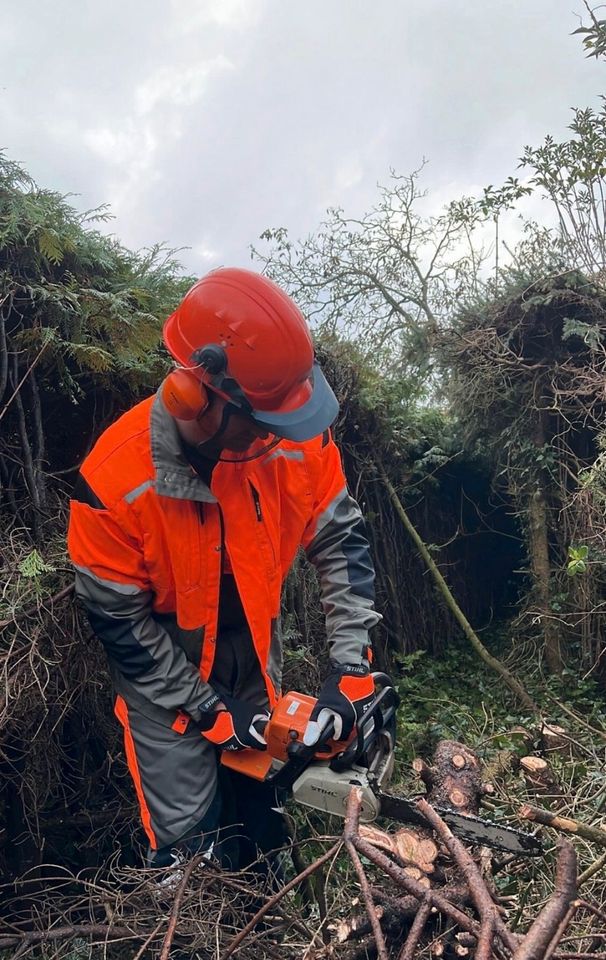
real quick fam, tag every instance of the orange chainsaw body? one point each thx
(287, 724)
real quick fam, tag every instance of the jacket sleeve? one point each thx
(112, 582)
(336, 544)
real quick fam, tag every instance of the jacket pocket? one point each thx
(262, 530)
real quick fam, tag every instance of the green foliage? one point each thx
(593, 34)
(496, 200)
(80, 318)
(94, 306)
(589, 333)
(477, 710)
(33, 565)
(577, 562)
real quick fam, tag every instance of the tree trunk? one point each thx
(514, 685)
(540, 563)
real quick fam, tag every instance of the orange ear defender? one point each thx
(184, 395)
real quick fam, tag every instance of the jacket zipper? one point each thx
(256, 501)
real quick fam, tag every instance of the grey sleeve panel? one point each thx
(341, 554)
(139, 647)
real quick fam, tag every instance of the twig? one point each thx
(23, 379)
(174, 914)
(586, 905)
(478, 889)
(237, 940)
(572, 909)
(370, 905)
(591, 870)
(485, 940)
(352, 817)
(145, 945)
(33, 610)
(416, 929)
(581, 956)
(63, 933)
(542, 931)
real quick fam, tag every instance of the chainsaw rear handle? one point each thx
(380, 714)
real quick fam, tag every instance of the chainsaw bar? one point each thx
(465, 826)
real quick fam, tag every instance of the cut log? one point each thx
(565, 824)
(408, 846)
(378, 838)
(428, 851)
(422, 770)
(454, 778)
(538, 775)
(457, 798)
(555, 739)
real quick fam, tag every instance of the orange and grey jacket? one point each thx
(148, 538)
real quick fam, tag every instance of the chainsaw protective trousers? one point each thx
(175, 772)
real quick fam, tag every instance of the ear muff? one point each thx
(184, 395)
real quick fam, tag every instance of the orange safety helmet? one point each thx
(238, 334)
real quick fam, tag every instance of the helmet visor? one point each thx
(308, 420)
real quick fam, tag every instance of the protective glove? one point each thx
(239, 726)
(346, 695)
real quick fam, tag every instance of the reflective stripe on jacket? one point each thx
(147, 537)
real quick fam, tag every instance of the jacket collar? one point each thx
(174, 475)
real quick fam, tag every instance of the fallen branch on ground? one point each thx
(563, 824)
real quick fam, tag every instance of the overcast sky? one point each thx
(202, 122)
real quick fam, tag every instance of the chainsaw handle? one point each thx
(299, 758)
(379, 716)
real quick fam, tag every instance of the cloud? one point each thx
(203, 122)
(189, 15)
(177, 86)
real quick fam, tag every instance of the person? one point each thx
(184, 522)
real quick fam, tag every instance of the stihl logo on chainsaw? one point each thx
(323, 790)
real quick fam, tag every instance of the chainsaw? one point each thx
(321, 776)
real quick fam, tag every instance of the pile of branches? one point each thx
(404, 893)
(447, 495)
(400, 911)
(527, 373)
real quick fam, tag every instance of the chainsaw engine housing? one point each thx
(324, 789)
